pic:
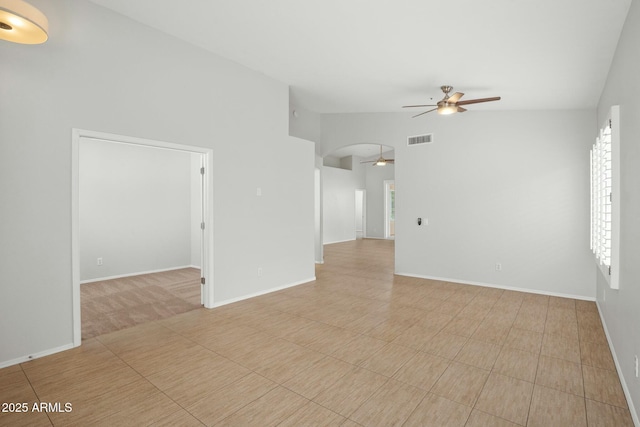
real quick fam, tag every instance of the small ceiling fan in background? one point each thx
(381, 160)
(451, 104)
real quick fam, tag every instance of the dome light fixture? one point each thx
(22, 23)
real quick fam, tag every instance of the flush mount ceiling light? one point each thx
(22, 23)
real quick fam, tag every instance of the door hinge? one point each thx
(202, 225)
(610, 123)
(609, 270)
(202, 280)
(611, 197)
(202, 170)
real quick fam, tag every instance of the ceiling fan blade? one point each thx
(412, 106)
(476, 101)
(423, 113)
(455, 97)
(369, 161)
(390, 160)
(461, 110)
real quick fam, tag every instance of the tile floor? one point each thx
(357, 347)
(111, 305)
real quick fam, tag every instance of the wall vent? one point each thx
(420, 139)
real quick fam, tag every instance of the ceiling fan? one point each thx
(451, 104)
(381, 160)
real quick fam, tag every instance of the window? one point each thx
(605, 197)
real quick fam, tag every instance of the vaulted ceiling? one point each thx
(377, 55)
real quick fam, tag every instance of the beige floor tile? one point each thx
(603, 385)
(506, 397)
(416, 337)
(462, 326)
(478, 353)
(482, 419)
(603, 415)
(187, 384)
(389, 359)
(350, 391)
(422, 370)
(493, 333)
(526, 340)
(330, 339)
(461, 383)
(215, 406)
(560, 347)
(560, 375)
(359, 349)
(586, 306)
(138, 403)
(596, 355)
(436, 411)
(180, 418)
(551, 407)
(517, 364)
(312, 414)
(318, 377)
(291, 360)
(445, 345)
(531, 318)
(268, 410)
(560, 302)
(391, 405)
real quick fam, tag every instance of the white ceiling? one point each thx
(377, 55)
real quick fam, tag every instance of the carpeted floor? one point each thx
(111, 305)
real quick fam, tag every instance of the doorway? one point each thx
(389, 209)
(360, 217)
(195, 156)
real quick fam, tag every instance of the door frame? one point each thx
(387, 207)
(207, 209)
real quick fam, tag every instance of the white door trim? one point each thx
(207, 255)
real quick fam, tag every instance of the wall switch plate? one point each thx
(498, 266)
(259, 271)
(99, 261)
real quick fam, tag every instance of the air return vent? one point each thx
(420, 139)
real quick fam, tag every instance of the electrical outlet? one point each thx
(259, 271)
(498, 266)
(99, 261)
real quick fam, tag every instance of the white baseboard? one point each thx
(625, 388)
(34, 356)
(491, 285)
(268, 291)
(120, 276)
(339, 241)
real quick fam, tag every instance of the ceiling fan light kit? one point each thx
(451, 104)
(22, 23)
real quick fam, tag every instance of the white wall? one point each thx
(507, 187)
(135, 209)
(621, 308)
(100, 71)
(338, 201)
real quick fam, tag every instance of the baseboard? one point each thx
(339, 241)
(492, 285)
(35, 355)
(120, 276)
(268, 291)
(625, 388)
